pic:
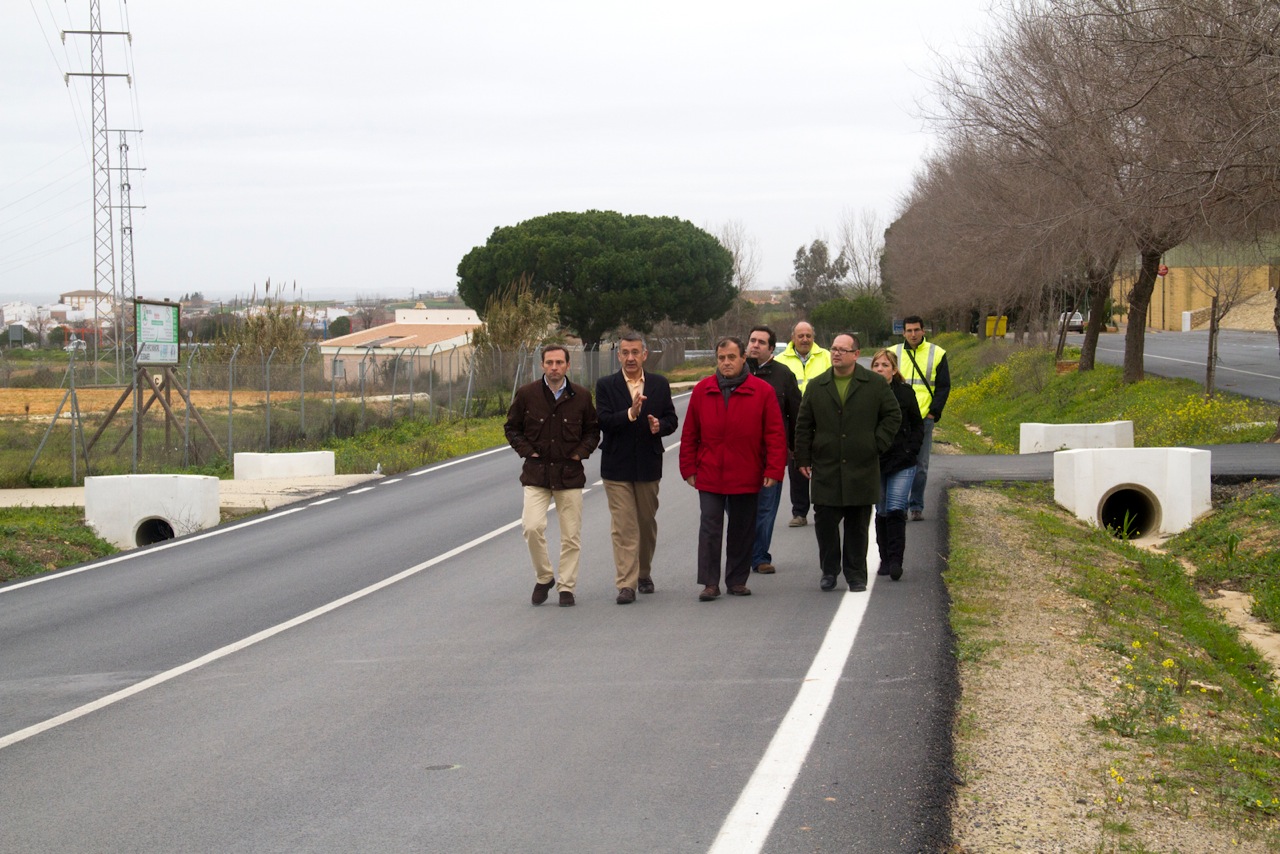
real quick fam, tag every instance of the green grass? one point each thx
(1192, 712)
(1238, 548)
(38, 539)
(996, 386)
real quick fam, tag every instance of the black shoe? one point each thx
(626, 596)
(828, 583)
(857, 587)
(646, 585)
(566, 599)
(540, 591)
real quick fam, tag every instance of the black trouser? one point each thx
(741, 537)
(852, 559)
(799, 489)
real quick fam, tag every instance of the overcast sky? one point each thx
(364, 148)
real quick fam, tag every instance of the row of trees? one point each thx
(1085, 134)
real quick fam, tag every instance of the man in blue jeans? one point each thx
(760, 362)
(924, 366)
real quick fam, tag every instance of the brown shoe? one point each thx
(797, 522)
(646, 585)
(540, 591)
(711, 591)
(566, 598)
(626, 596)
(739, 590)
(766, 569)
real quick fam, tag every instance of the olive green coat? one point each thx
(842, 440)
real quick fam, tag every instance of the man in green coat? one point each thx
(848, 417)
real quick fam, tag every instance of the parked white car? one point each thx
(1075, 323)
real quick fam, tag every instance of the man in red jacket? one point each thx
(732, 445)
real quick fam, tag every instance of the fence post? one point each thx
(333, 393)
(231, 388)
(363, 365)
(186, 417)
(267, 374)
(302, 392)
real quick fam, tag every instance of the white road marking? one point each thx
(389, 482)
(245, 643)
(747, 827)
(460, 460)
(324, 501)
(365, 489)
(1199, 364)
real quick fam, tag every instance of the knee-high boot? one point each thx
(882, 544)
(895, 528)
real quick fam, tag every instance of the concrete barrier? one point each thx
(1141, 491)
(132, 510)
(292, 464)
(1035, 438)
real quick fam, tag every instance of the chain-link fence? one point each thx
(204, 409)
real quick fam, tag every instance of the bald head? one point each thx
(802, 338)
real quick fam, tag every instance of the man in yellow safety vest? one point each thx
(924, 367)
(806, 360)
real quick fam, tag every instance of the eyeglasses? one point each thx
(840, 350)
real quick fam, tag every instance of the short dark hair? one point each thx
(551, 348)
(857, 345)
(730, 339)
(631, 335)
(773, 339)
(913, 318)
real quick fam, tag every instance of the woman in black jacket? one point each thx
(897, 469)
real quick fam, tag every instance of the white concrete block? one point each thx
(250, 466)
(1035, 438)
(139, 509)
(1164, 490)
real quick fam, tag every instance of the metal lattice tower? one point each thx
(128, 287)
(103, 258)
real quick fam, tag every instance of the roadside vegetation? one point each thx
(1106, 704)
(998, 385)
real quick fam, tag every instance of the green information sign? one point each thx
(157, 332)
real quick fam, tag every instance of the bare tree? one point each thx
(861, 242)
(1220, 272)
(745, 249)
(1112, 98)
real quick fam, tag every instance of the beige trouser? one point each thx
(633, 508)
(537, 501)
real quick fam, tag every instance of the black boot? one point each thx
(882, 545)
(896, 533)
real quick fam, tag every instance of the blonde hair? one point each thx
(888, 356)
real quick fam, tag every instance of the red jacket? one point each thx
(732, 449)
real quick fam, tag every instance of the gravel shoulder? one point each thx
(1037, 775)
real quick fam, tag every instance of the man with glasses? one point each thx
(760, 362)
(806, 360)
(848, 417)
(924, 367)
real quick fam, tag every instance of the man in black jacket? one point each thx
(552, 426)
(635, 412)
(761, 345)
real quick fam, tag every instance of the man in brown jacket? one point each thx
(552, 426)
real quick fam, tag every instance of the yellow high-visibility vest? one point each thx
(921, 372)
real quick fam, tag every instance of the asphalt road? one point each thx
(1247, 361)
(365, 672)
